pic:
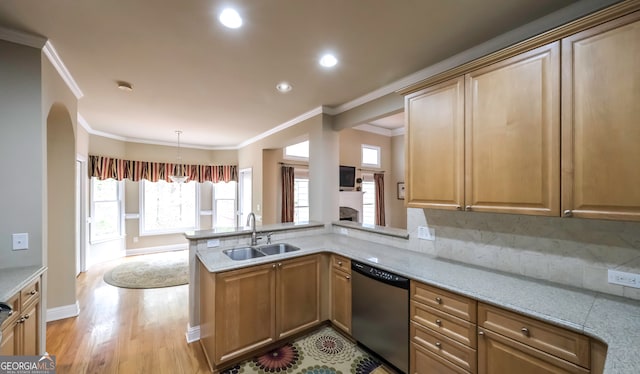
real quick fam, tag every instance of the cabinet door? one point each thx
(9, 339)
(298, 295)
(498, 355)
(244, 310)
(435, 146)
(421, 361)
(341, 300)
(30, 332)
(512, 135)
(600, 129)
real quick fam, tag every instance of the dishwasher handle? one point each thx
(380, 275)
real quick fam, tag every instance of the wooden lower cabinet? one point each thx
(498, 354)
(21, 331)
(341, 294)
(424, 362)
(246, 309)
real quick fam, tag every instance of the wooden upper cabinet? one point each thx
(434, 146)
(512, 135)
(601, 121)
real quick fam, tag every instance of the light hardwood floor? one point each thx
(124, 330)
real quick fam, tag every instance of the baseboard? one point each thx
(193, 334)
(62, 312)
(162, 248)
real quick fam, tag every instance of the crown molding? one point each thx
(380, 130)
(397, 132)
(22, 38)
(57, 63)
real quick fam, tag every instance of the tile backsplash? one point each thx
(569, 251)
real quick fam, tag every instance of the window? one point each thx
(244, 193)
(368, 200)
(106, 210)
(168, 207)
(370, 155)
(224, 204)
(299, 151)
(301, 196)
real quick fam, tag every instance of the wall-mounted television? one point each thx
(347, 177)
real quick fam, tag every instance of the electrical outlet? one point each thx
(426, 233)
(624, 279)
(212, 243)
(20, 241)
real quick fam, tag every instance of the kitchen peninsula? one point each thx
(601, 318)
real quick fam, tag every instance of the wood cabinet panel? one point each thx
(435, 146)
(448, 325)
(498, 355)
(30, 334)
(600, 152)
(8, 346)
(457, 353)
(298, 295)
(512, 134)
(424, 362)
(341, 300)
(341, 263)
(447, 302)
(562, 343)
(245, 307)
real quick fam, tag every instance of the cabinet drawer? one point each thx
(30, 293)
(457, 353)
(459, 306)
(557, 341)
(448, 325)
(341, 263)
(14, 303)
(425, 362)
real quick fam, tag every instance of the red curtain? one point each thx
(378, 179)
(287, 194)
(107, 167)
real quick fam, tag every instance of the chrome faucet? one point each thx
(252, 224)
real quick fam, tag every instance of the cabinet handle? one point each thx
(348, 277)
(33, 292)
(11, 312)
(525, 331)
(568, 213)
(438, 344)
(458, 207)
(438, 300)
(26, 316)
(339, 263)
(273, 266)
(21, 320)
(438, 322)
(279, 264)
(467, 208)
(481, 333)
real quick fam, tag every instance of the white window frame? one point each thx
(92, 208)
(177, 230)
(244, 207)
(370, 147)
(302, 174)
(287, 156)
(368, 178)
(214, 223)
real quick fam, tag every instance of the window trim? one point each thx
(214, 206)
(372, 147)
(141, 229)
(92, 209)
(302, 173)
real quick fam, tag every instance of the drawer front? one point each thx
(459, 306)
(457, 353)
(341, 263)
(14, 302)
(424, 362)
(447, 325)
(30, 293)
(557, 341)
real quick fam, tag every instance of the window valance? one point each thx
(103, 167)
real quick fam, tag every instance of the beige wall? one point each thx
(397, 209)
(21, 154)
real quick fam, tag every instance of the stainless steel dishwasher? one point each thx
(380, 313)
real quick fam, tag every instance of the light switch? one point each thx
(20, 241)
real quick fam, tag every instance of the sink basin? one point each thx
(274, 249)
(243, 253)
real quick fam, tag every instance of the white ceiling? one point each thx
(217, 85)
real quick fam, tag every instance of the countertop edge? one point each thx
(241, 231)
(19, 278)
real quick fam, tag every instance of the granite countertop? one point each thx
(13, 280)
(236, 231)
(612, 320)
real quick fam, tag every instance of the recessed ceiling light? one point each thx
(230, 18)
(125, 86)
(284, 87)
(328, 60)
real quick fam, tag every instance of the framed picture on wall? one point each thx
(400, 190)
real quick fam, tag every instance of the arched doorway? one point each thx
(61, 212)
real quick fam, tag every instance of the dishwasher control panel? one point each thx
(379, 274)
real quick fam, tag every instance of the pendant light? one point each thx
(179, 176)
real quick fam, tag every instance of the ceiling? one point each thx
(217, 85)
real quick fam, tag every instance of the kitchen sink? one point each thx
(274, 249)
(247, 253)
(243, 253)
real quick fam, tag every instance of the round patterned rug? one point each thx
(153, 271)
